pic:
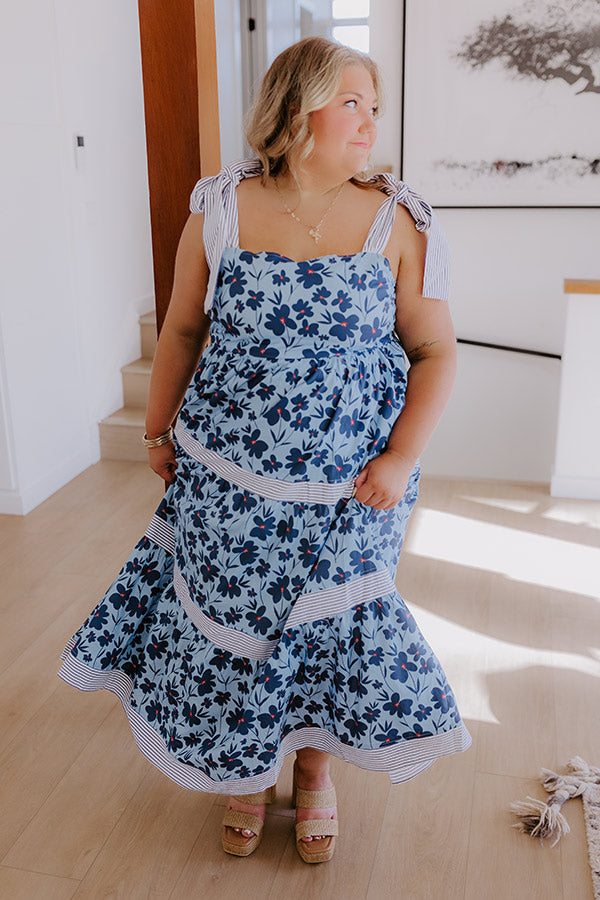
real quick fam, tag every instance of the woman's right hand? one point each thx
(162, 460)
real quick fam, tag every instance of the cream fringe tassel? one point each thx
(545, 820)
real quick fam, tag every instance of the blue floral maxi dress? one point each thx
(258, 614)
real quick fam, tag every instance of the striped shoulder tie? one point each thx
(436, 280)
(215, 197)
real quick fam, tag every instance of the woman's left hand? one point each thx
(383, 481)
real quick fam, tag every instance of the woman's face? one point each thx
(344, 130)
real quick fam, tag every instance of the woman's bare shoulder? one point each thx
(251, 187)
(370, 196)
(253, 197)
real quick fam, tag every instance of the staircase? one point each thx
(121, 433)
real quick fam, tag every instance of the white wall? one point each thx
(508, 267)
(229, 74)
(386, 49)
(76, 269)
(507, 288)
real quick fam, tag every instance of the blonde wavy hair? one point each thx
(302, 79)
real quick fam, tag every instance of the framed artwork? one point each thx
(501, 102)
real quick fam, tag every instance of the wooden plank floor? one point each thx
(505, 583)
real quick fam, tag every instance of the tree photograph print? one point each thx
(501, 102)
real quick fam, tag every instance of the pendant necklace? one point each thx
(313, 230)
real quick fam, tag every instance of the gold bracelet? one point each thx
(157, 441)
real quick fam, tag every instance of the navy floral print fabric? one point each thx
(243, 627)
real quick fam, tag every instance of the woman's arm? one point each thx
(425, 329)
(182, 339)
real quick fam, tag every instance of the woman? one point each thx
(258, 615)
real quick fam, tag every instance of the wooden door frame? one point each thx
(179, 70)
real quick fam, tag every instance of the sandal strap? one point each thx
(315, 799)
(313, 827)
(234, 818)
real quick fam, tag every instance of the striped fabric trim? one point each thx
(308, 608)
(339, 599)
(236, 642)
(162, 533)
(271, 488)
(402, 761)
(436, 280)
(215, 196)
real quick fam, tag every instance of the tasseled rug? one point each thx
(545, 820)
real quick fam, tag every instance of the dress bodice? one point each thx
(310, 343)
(215, 197)
(347, 302)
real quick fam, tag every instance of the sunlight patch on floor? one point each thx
(470, 657)
(574, 513)
(511, 505)
(520, 555)
(454, 645)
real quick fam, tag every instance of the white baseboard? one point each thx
(11, 503)
(575, 488)
(19, 503)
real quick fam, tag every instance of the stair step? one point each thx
(136, 381)
(121, 435)
(148, 332)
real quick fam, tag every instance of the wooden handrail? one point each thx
(582, 286)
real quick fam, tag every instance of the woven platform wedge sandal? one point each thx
(322, 850)
(235, 842)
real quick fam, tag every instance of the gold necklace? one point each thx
(313, 230)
